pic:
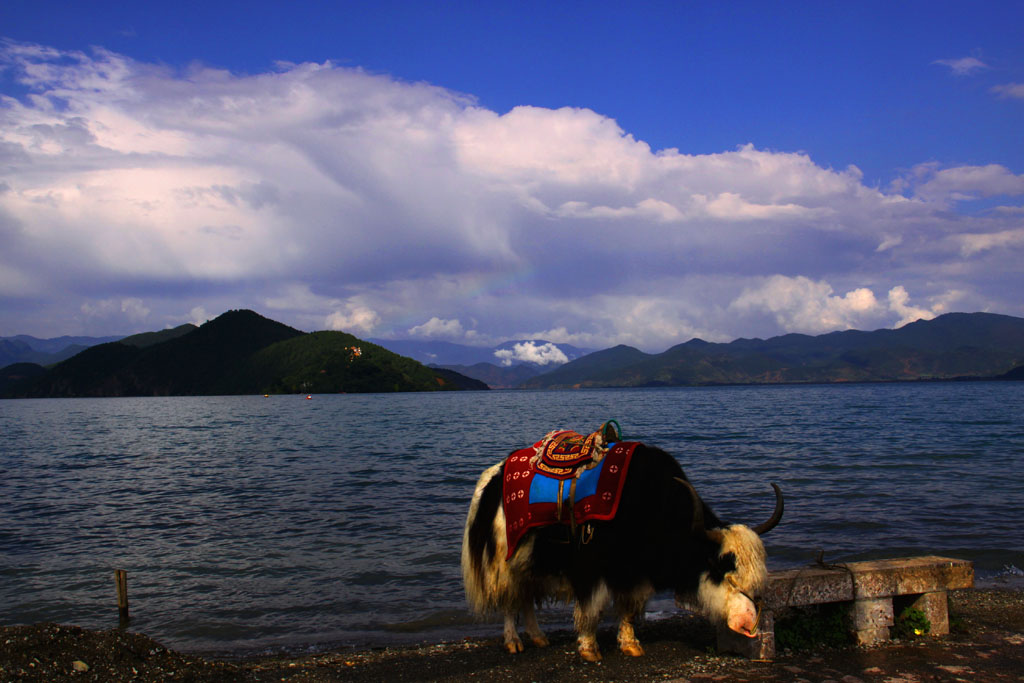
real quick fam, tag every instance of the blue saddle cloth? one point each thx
(544, 489)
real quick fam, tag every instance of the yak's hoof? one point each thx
(514, 646)
(540, 641)
(632, 649)
(590, 654)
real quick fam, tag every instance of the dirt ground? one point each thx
(987, 644)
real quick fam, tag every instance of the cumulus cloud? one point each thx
(353, 319)
(973, 244)
(435, 327)
(800, 304)
(324, 195)
(198, 316)
(898, 298)
(532, 352)
(965, 66)
(962, 183)
(118, 312)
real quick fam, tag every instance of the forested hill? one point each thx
(240, 352)
(954, 345)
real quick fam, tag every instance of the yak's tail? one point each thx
(491, 582)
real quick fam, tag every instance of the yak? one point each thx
(662, 537)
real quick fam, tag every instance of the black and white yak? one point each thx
(663, 537)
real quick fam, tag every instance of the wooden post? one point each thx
(121, 576)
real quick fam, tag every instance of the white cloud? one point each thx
(124, 311)
(652, 209)
(889, 241)
(1014, 91)
(198, 316)
(898, 298)
(800, 304)
(332, 196)
(965, 66)
(436, 327)
(965, 182)
(975, 243)
(354, 319)
(731, 206)
(532, 352)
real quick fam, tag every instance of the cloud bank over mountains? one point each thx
(532, 352)
(134, 196)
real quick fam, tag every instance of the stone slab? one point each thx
(869, 587)
(867, 580)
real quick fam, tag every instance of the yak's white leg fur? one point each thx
(630, 607)
(512, 642)
(587, 618)
(628, 642)
(532, 627)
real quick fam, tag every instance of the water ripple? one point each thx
(248, 523)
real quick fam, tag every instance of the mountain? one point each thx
(27, 349)
(494, 376)
(16, 373)
(150, 338)
(239, 352)
(457, 380)
(600, 368)
(333, 362)
(950, 346)
(436, 352)
(1016, 374)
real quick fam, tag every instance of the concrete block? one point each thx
(936, 607)
(871, 579)
(872, 636)
(871, 619)
(869, 587)
(759, 648)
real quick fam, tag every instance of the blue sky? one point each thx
(593, 173)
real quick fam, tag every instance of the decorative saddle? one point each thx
(565, 478)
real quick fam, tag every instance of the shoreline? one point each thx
(986, 644)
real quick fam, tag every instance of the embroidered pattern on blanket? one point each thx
(562, 452)
(533, 498)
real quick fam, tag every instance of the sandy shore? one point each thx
(987, 645)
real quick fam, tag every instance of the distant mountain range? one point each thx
(243, 352)
(240, 352)
(26, 349)
(954, 345)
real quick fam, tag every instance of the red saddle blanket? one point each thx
(533, 496)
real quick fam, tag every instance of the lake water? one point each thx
(251, 523)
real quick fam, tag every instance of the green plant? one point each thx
(911, 623)
(804, 628)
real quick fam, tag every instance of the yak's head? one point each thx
(736, 575)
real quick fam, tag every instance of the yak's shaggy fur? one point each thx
(653, 543)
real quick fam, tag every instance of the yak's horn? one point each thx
(762, 529)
